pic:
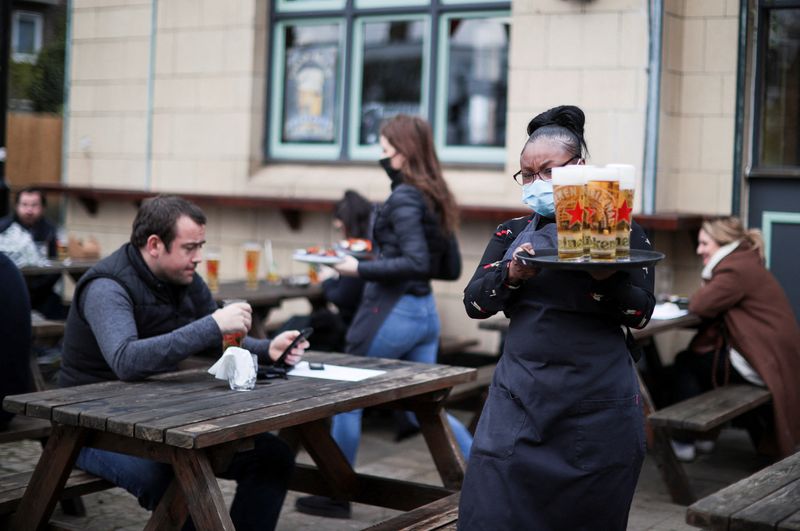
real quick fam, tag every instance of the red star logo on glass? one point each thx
(624, 212)
(576, 214)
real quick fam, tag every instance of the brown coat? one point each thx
(762, 327)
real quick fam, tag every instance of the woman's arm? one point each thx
(489, 289)
(719, 294)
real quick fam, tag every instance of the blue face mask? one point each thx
(538, 195)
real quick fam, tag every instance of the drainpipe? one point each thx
(738, 137)
(62, 217)
(656, 22)
(151, 74)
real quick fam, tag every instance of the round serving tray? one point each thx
(548, 259)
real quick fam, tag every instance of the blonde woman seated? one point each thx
(749, 334)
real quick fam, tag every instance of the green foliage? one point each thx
(47, 85)
(20, 78)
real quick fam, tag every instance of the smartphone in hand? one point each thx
(305, 333)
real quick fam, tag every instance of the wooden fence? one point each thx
(33, 149)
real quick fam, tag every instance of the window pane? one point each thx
(477, 81)
(26, 36)
(309, 83)
(780, 104)
(392, 73)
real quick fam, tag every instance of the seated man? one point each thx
(28, 220)
(139, 312)
(15, 329)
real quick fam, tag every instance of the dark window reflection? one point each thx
(780, 104)
(392, 78)
(477, 82)
(310, 83)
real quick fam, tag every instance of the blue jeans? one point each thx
(262, 478)
(411, 333)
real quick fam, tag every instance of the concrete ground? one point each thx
(733, 459)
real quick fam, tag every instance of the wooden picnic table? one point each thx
(194, 422)
(769, 499)
(75, 268)
(267, 295)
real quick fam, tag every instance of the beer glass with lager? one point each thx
(569, 203)
(212, 270)
(586, 169)
(252, 256)
(602, 189)
(627, 183)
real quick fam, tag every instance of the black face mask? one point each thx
(394, 175)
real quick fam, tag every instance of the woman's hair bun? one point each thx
(567, 116)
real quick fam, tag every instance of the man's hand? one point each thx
(234, 318)
(283, 340)
(347, 267)
(519, 271)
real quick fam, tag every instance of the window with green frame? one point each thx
(778, 101)
(341, 67)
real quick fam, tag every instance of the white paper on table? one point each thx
(334, 372)
(668, 310)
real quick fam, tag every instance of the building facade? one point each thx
(283, 98)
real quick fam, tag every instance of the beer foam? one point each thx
(627, 175)
(568, 175)
(602, 174)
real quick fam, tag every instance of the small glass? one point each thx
(248, 384)
(233, 339)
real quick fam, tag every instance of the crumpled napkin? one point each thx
(238, 367)
(668, 310)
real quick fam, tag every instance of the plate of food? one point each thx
(548, 259)
(318, 255)
(357, 247)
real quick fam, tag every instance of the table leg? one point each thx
(332, 464)
(171, 512)
(195, 475)
(49, 477)
(441, 442)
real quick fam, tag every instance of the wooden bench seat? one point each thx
(699, 414)
(452, 345)
(440, 515)
(705, 412)
(12, 487)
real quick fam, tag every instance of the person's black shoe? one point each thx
(323, 506)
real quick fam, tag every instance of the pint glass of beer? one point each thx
(569, 201)
(602, 189)
(587, 212)
(252, 257)
(212, 270)
(627, 183)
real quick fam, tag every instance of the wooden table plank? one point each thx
(379, 392)
(770, 511)
(716, 510)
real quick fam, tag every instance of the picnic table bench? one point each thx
(440, 515)
(769, 499)
(699, 414)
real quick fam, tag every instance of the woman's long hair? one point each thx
(411, 136)
(730, 229)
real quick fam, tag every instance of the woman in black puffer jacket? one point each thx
(397, 316)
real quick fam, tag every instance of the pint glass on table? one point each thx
(252, 256)
(587, 212)
(627, 183)
(212, 271)
(569, 202)
(602, 191)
